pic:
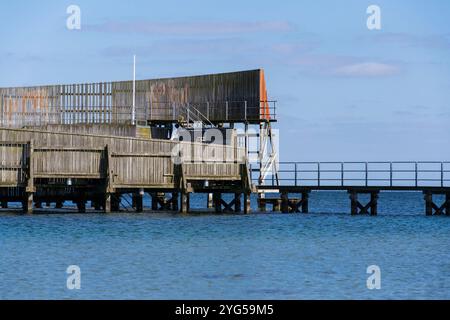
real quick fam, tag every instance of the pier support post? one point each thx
(432, 208)
(247, 203)
(59, 204)
(305, 202)
(160, 202)
(107, 206)
(217, 200)
(284, 202)
(115, 202)
(133, 201)
(210, 202)
(357, 208)
(97, 205)
(237, 203)
(428, 197)
(276, 206)
(185, 202)
(175, 206)
(138, 200)
(447, 204)
(354, 203)
(81, 205)
(374, 203)
(154, 201)
(27, 204)
(262, 205)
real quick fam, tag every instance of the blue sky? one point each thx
(344, 93)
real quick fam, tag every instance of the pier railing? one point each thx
(364, 174)
(132, 162)
(218, 111)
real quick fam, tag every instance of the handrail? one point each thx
(367, 174)
(214, 110)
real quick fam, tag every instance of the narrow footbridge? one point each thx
(300, 178)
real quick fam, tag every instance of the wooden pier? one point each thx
(89, 143)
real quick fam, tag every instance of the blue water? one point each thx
(322, 255)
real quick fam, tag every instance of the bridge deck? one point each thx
(399, 175)
(431, 178)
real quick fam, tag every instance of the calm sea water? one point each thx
(322, 255)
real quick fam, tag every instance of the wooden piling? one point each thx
(237, 203)
(185, 202)
(305, 202)
(247, 203)
(276, 207)
(81, 205)
(447, 204)
(107, 206)
(138, 199)
(154, 200)
(354, 203)
(27, 204)
(115, 202)
(284, 202)
(262, 205)
(428, 197)
(175, 201)
(217, 200)
(374, 203)
(210, 201)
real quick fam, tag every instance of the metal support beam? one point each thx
(357, 208)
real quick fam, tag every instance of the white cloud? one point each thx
(367, 69)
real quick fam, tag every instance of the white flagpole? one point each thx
(133, 111)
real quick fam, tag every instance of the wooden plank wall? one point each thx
(226, 96)
(142, 170)
(93, 129)
(51, 162)
(13, 163)
(135, 162)
(214, 171)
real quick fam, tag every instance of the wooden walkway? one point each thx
(296, 180)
